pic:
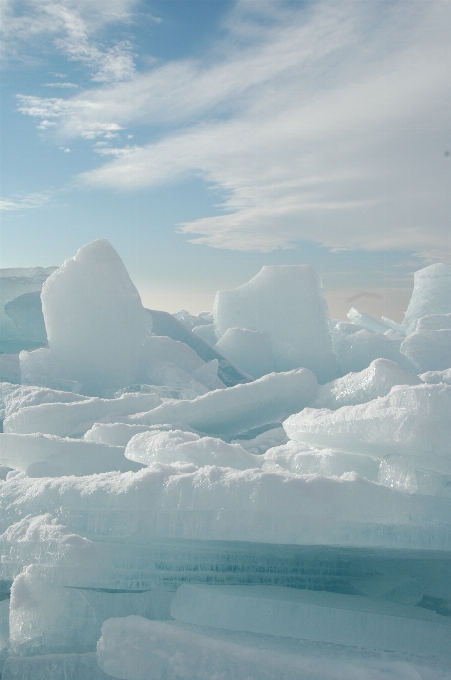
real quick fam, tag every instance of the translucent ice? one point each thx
(26, 313)
(357, 388)
(287, 302)
(309, 615)
(356, 350)
(431, 295)
(242, 407)
(429, 346)
(366, 321)
(95, 321)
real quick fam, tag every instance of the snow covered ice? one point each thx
(253, 492)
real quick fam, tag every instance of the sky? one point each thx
(207, 138)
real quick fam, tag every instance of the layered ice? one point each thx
(288, 302)
(431, 295)
(429, 346)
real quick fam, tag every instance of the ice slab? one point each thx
(26, 313)
(431, 295)
(170, 446)
(206, 332)
(366, 321)
(116, 434)
(70, 419)
(215, 503)
(15, 282)
(28, 395)
(264, 441)
(435, 377)
(239, 408)
(288, 302)
(318, 616)
(42, 455)
(95, 321)
(10, 368)
(135, 649)
(357, 388)
(411, 421)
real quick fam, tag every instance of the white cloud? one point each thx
(324, 122)
(63, 86)
(25, 202)
(73, 25)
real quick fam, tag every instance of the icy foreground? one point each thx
(258, 492)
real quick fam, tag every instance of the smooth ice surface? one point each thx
(206, 332)
(159, 446)
(116, 434)
(15, 282)
(357, 388)
(72, 419)
(431, 295)
(250, 350)
(41, 455)
(288, 302)
(410, 421)
(428, 350)
(356, 350)
(132, 648)
(216, 503)
(54, 667)
(95, 321)
(242, 407)
(318, 616)
(26, 314)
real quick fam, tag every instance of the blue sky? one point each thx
(206, 138)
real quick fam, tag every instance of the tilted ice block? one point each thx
(133, 648)
(250, 350)
(288, 302)
(366, 321)
(356, 351)
(116, 434)
(242, 407)
(303, 459)
(410, 421)
(68, 419)
(207, 332)
(26, 313)
(95, 321)
(213, 503)
(431, 295)
(29, 395)
(435, 377)
(428, 350)
(357, 388)
(320, 616)
(15, 282)
(41, 455)
(161, 446)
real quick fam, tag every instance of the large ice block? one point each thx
(54, 667)
(411, 421)
(26, 313)
(133, 648)
(428, 350)
(75, 418)
(95, 321)
(431, 295)
(240, 408)
(288, 302)
(320, 616)
(250, 350)
(357, 388)
(356, 350)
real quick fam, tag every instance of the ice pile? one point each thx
(254, 492)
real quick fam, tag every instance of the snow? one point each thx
(257, 492)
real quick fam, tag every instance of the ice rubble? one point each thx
(159, 466)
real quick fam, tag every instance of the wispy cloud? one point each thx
(25, 202)
(323, 121)
(63, 86)
(73, 24)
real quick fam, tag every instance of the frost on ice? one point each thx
(254, 492)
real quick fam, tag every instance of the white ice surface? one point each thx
(410, 421)
(366, 321)
(431, 295)
(240, 408)
(288, 302)
(250, 350)
(428, 350)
